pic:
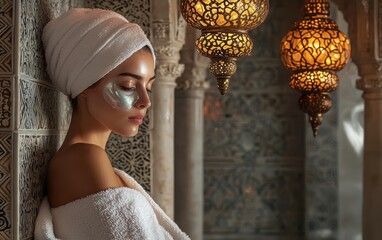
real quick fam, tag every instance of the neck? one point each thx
(85, 129)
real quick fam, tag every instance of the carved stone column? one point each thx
(168, 38)
(365, 24)
(189, 97)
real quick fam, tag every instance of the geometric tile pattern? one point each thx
(253, 202)
(131, 154)
(6, 37)
(34, 153)
(254, 145)
(5, 185)
(5, 102)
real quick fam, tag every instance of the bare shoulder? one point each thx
(78, 171)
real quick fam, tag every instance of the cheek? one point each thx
(119, 99)
(114, 119)
(122, 126)
(100, 110)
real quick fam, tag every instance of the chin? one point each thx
(127, 133)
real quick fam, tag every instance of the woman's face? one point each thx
(120, 100)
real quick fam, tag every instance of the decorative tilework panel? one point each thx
(321, 178)
(241, 200)
(267, 73)
(236, 104)
(132, 155)
(5, 185)
(254, 144)
(39, 106)
(6, 36)
(259, 136)
(34, 153)
(5, 102)
(134, 11)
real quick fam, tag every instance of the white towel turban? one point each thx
(83, 45)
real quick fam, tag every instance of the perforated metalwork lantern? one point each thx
(224, 25)
(314, 50)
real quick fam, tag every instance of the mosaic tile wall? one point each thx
(131, 154)
(7, 76)
(5, 185)
(254, 145)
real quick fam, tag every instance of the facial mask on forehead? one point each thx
(118, 97)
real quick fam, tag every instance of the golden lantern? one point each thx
(224, 25)
(314, 49)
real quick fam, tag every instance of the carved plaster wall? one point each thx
(41, 114)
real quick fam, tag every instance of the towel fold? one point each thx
(117, 213)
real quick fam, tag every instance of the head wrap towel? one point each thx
(83, 45)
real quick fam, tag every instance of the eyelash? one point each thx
(127, 88)
(133, 88)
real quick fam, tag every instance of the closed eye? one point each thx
(128, 89)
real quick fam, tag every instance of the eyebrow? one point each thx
(134, 75)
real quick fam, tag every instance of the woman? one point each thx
(106, 65)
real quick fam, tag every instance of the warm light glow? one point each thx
(224, 44)
(314, 50)
(310, 81)
(224, 25)
(245, 14)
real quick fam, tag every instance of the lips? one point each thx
(136, 119)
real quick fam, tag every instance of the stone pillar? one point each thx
(189, 98)
(168, 38)
(365, 25)
(372, 173)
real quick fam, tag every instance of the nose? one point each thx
(143, 100)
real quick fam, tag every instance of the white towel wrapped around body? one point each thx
(113, 214)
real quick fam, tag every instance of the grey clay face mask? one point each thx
(119, 98)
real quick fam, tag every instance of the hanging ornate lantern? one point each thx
(314, 49)
(224, 25)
